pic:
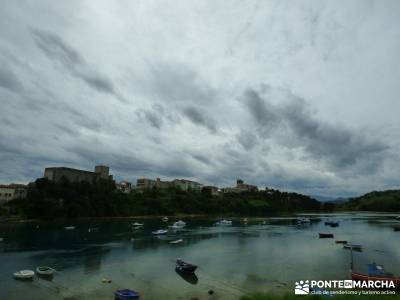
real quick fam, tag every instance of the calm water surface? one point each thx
(232, 260)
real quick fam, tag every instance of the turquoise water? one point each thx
(232, 260)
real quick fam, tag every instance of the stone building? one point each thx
(124, 187)
(186, 185)
(240, 187)
(76, 175)
(12, 191)
(212, 190)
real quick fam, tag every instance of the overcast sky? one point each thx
(295, 95)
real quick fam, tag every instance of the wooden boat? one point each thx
(160, 232)
(353, 247)
(363, 277)
(24, 274)
(375, 273)
(176, 241)
(126, 294)
(45, 271)
(341, 242)
(182, 266)
(325, 235)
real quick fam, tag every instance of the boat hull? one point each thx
(362, 277)
(126, 295)
(325, 235)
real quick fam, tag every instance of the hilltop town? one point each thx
(65, 192)
(16, 191)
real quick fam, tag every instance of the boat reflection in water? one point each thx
(188, 277)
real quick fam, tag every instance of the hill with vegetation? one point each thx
(47, 199)
(374, 201)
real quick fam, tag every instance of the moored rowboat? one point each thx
(363, 277)
(24, 274)
(126, 294)
(45, 271)
(182, 266)
(325, 235)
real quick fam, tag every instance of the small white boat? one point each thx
(137, 224)
(179, 224)
(137, 227)
(45, 271)
(1, 240)
(24, 274)
(160, 232)
(165, 219)
(69, 227)
(224, 223)
(176, 242)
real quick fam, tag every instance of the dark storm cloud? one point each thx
(61, 53)
(9, 80)
(338, 146)
(199, 117)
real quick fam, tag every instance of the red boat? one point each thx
(375, 273)
(364, 277)
(326, 235)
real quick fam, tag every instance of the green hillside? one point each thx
(374, 201)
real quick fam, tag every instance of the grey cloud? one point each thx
(60, 52)
(178, 82)
(199, 117)
(338, 146)
(155, 116)
(247, 139)
(9, 80)
(264, 114)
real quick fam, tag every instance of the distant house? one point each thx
(186, 185)
(76, 175)
(145, 183)
(240, 187)
(212, 190)
(12, 191)
(243, 187)
(124, 187)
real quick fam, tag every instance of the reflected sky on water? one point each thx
(232, 260)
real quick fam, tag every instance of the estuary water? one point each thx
(266, 255)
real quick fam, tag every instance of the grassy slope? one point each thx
(375, 201)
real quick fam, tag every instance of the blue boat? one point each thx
(126, 295)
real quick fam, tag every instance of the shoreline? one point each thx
(20, 220)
